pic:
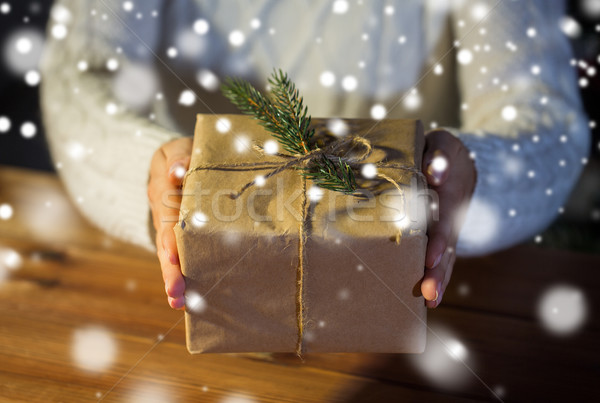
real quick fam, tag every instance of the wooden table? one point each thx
(84, 318)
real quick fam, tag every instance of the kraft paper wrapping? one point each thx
(360, 286)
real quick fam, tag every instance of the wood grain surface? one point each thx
(84, 317)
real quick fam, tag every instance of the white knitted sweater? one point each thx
(114, 91)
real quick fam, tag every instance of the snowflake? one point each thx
(195, 302)
(439, 164)
(187, 98)
(23, 45)
(340, 6)
(4, 8)
(93, 349)
(82, 65)
(479, 11)
(4, 124)
(562, 309)
(172, 52)
(112, 64)
(343, 294)
(349, 83)
(337, 127)
(223, 125)
(28, 130)
(378, 111)
(199, 219)
(260, 180)
(442, 361)
(59, 31)
(6, 211)
(111, 108)
(255, 23)
(369, 171)
(463, 290)
(241, 144)
(464, 56)
(412, 101)
(591, 8)
(315, 193)
(509, 113)
(236, 38)
(271, 147)
(570, 27)
(327, 79)
(135, 85)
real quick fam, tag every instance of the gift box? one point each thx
(273, 263)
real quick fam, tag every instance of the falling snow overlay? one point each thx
(115, 85)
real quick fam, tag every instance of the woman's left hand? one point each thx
(451, 173)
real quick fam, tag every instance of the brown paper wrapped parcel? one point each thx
(289, 267)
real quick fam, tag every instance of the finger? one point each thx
(449, 269)
(177, 159)
(172, 277)
(439, 234)
(177, 303)
(442, 278)
(165, 201)
(431, 284)
(443, 232)
(169, 244)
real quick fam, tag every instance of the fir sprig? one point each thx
(328, 175)
(286, 118)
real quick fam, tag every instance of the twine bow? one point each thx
(338, 150)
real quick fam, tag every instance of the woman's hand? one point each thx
(451, 173)
(169, 165)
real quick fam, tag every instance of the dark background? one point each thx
(578, 228)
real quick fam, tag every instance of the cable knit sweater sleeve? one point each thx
(521, 118)
(101, 150)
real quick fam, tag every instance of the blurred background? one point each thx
(22, 140)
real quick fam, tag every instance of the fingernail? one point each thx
(437, 167)
(177, 170)
(437, 261)
(438, 294)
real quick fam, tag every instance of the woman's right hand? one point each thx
(167, 169)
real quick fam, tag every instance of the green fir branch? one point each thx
(290, 103)
(251, 102)
(287, 119)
